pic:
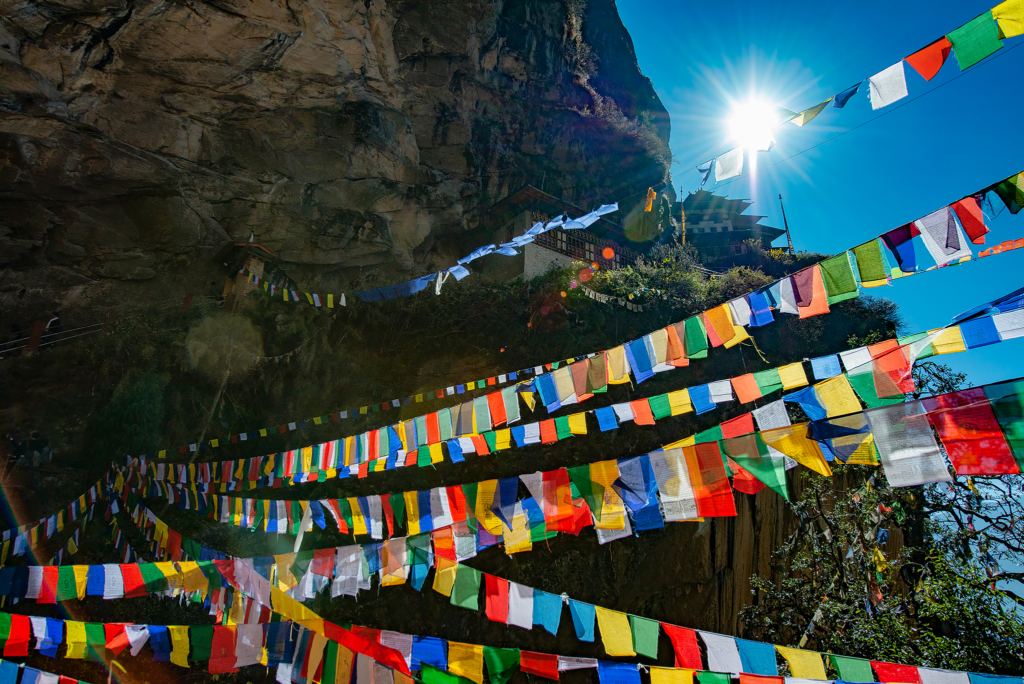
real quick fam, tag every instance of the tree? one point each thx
(907, 575)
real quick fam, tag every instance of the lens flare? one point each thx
(751, 125)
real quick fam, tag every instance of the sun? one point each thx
(751, 124)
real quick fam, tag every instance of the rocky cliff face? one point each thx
(138, 136)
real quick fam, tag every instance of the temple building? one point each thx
(719, 229)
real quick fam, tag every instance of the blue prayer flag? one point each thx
(617, 673)
(547, 610)
(606, 418)
(700, 396)
(979, 332)
(842, 98)
(429, 650)
(826, 367)
(583, 615)
(758, 658)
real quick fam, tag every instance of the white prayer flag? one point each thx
(723, 656)
(729, 164)
(910, 455)
(888, 86)
(520, 606)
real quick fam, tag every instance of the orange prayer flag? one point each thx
(650, 199)
(746, 388)
(642, 412)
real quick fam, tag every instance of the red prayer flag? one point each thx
(497, 408)
(444, 543)
(116, 637)
(738, 426)
(323, 562)
(891, 672)
(388, 657)
(746, 388)
(389, 515)
(222, 649)
(927, 61)
(17, 640)
(971, 218)
(368, 633)
(548, 432)
(743, 481)
(67, 680)
(710, 483)
(970, 432)
(542, 664)
(134, 585)
(759, 679)
(456, 503)
(481, 444)
(497, 598)
(684, 643)
(433, 429)
(48, 589)
(642, 412)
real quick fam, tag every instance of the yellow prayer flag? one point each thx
(684, 442)
(793, 442)
(75, 639)
(358, 521)
(81, 579)
(412, 509)
(1010, 17)
(739, 332)
(531, 401)
(793, 375)
(236, 613)
(578, 423)
(343, 670)
(466, 660)
(949, 341)
(316, 652)
(618, 371)
(214, 443)
(283, 567)
(671, 675)
(484, 498)
(517, 538)
(179, 644)
(808, 114)
(649, 203)
(330, 301)
(193, 578)
(659, 341)
(436, 455)
(803, 664)
(679, 402)
(837, 396)
(170, 573)
(60, 521)
(615, 632)
(613, 511)
(502, 439)
(162, 453)
(444, 575)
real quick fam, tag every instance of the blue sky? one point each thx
(703, 58)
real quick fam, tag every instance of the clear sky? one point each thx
(705, 57)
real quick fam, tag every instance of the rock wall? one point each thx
(352, 138)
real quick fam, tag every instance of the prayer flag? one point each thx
(871, 264)
(583, 615)
(758, 658)
(617, 673)
(684, 644)
(971, 217)
(547, 610)
(853, 669)
(975, 40)
(496, 604)
(803, 664)
(794, 442)
(746, 388)
(808, 114)
(970, 432)
(501, 663)
(466, 589)
(893, 672)
(1010, 16)
(791, 376)
(723, 656)
(466, 660)
(615, 632)
(928, 60)
(645, 636)
(729, 165)
(935, 676)
(888, 86)
(909, 453)
(842, 98)
(1007, 402)
(671, 675)
(837, 274)
(520, 605)
(541, 664)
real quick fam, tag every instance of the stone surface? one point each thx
(352, 138)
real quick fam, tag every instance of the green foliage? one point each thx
(131, 422)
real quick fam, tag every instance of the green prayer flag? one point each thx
(431, 675)
(751, 454)
(660, 406)
(853, 669)
(696, 338)
(837, 274)
(870, 262)
(466, 590)
(768, 381)
(444, 421)
(1007, 401)
(864, 385)
(398, 508)
(1011, 191)
(296, 517)
(712, 434)
(501, 663)
(539, 533)
(191, 548)
(96, 641)
(67, 589)
(330, 662)
(580, 476)
(5, 627)
(417, 549)
(562, 427)
(346, 513)
(645, 636)
(211, 573)
(491, 439)
(975, 40)
(152, 578)
(200, 639)
(574, 491)
(423, 456)
(712, 677)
